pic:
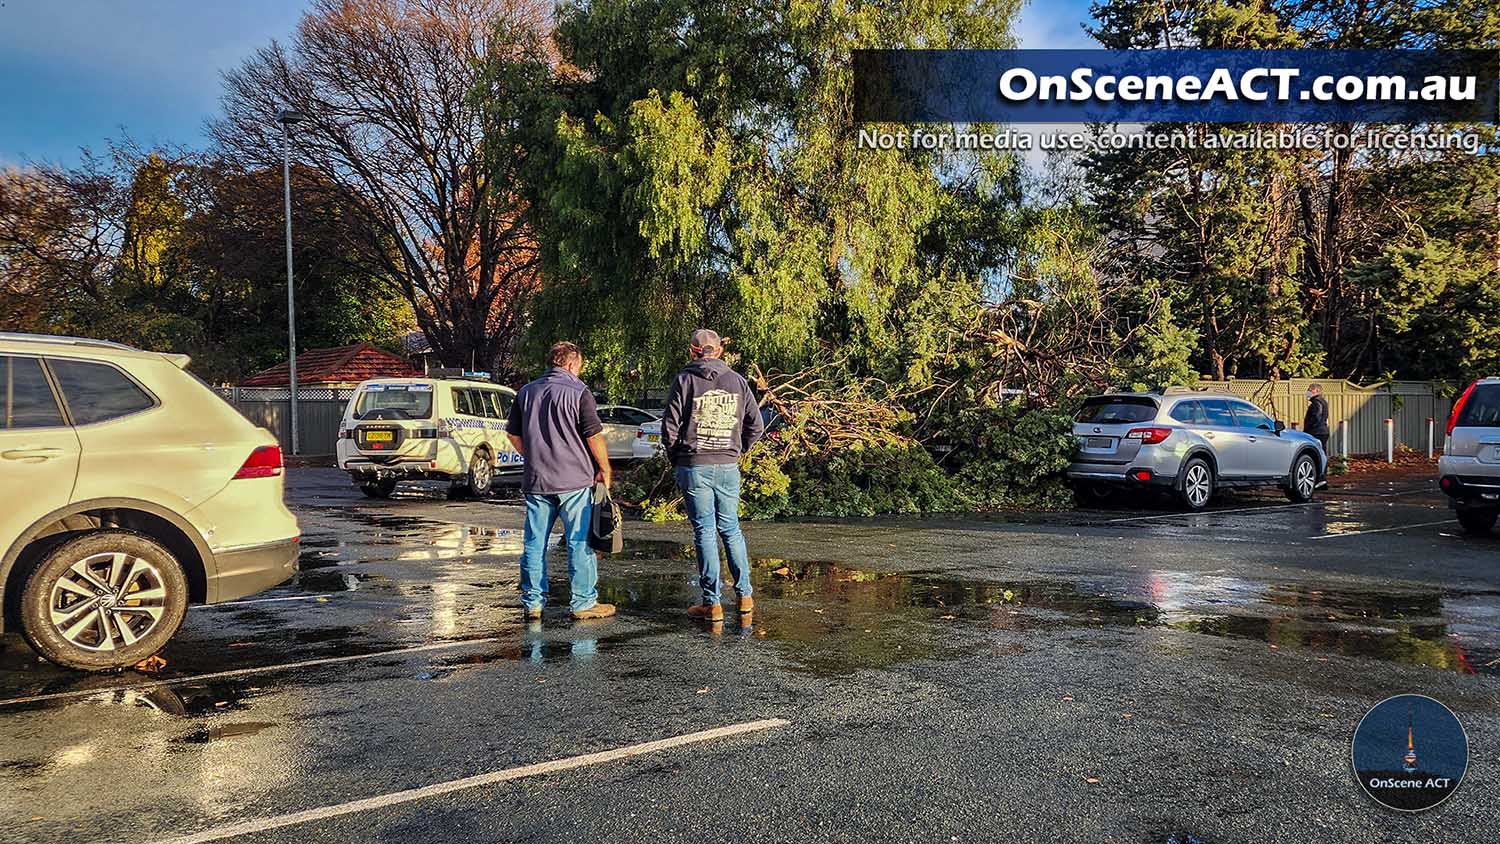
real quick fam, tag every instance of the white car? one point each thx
(647, 441)
(622, 426)
(1469, 470)
(130, 491)
(427, 428)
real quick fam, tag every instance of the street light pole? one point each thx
(286, 117)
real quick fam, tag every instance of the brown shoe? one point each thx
(747, 605)
(596, 611)
(533, 613)
(712, 612)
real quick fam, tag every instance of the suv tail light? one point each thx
(264, 462)
(345, 432)
(1458, 407)
(1149, 436)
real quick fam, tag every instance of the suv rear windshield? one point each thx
(1111, 410)
(1482, 410)
(394, 401)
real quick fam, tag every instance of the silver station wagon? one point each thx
(1190, 443)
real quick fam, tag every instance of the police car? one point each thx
(446, 427)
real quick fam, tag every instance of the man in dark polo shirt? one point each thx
(555, 426)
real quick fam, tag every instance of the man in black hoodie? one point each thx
(711, 419)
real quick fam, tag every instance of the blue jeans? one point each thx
(712, 497)
(542, 510)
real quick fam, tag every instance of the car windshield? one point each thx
(1482, 410)
(394, 401)
(1113, 410)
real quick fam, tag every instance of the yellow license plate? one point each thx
(379, 436)
(651, 438)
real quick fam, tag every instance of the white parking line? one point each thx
(1379, 530)
(1215, 512)
(242, 672)
(398, 797)
(257, 601)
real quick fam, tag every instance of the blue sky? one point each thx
(74, 73)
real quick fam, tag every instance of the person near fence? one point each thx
(555, 425)
(1315, 422)
(710, 420)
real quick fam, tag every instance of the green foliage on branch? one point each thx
(1007, 456)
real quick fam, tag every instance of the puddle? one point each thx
(835, 618)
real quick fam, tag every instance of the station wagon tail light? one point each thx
(1149, 436)
(264, 462)
(1458, 407)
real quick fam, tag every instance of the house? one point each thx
(342, 367)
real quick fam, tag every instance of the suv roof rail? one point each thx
(23, 337)
(1177, 391)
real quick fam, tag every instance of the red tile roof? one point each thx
(346, 364)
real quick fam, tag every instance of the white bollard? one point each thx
(1344, 438)
(1429, 438)
(1390, 440)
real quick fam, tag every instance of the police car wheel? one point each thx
(481, 474)
(378, 489)
(1478, 522)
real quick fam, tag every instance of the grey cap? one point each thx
(706, 340)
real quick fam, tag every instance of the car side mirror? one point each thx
(1280, 426)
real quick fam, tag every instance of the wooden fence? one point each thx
(319, 410)
(1356, 414)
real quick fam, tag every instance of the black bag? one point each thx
(605, 531)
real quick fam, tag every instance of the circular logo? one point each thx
(1410, 753)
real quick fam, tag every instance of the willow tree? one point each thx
(696, 163)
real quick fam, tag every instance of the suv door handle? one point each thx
(1252, 439)
(25, 453)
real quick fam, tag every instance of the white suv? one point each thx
(1469, 470)
(128, 489)
(448, 429)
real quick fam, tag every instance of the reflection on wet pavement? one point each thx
(391, 582)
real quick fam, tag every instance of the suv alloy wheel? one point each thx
(104, 599)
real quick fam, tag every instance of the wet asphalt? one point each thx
(1124, 674)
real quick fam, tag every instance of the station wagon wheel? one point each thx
(1303, 481)
(1197, 484)
(106, 599)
